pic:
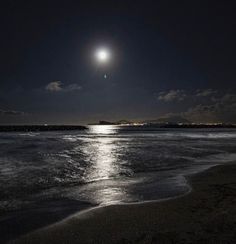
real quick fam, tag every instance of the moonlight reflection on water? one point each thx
(103, 153)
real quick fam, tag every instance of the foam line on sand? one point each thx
(206, 215)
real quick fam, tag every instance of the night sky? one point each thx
(169, 59)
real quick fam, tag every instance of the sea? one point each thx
(47, 176)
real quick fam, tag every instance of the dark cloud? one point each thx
(221, 109)
(205, 105)
(172, 118)
(201, 114)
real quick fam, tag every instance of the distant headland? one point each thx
(166, 124)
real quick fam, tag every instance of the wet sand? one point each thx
(206, 215)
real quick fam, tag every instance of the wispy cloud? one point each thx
(172, 95)
(57, 86)
(72, 87)
(181, 95)
(54, 86)
(11, 112)
(205, 92)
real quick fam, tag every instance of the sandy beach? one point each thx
(206, 215)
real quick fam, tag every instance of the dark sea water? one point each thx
(48, 175)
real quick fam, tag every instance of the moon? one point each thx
(103, 55)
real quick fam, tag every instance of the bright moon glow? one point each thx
(103, 55)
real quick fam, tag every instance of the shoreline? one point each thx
(46, 216)
(193, 216)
